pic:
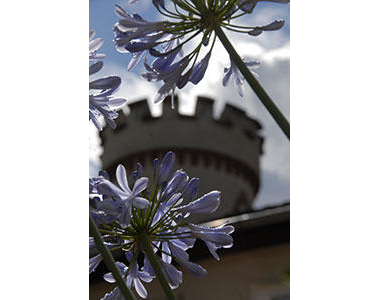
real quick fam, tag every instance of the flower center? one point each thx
(208, 19)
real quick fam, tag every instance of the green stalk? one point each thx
(146, 244)
(199, 5)
(109, 260)
(254, 84)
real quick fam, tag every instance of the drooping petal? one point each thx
(212, 248)
(218, 238)
(116, 102)
(224, 228)
(140, 289)
(227, 77)
(109, 276)
(200, 69)
(94, 262)
(94, 68)
(140, 202)
(115, 294)
(173, 275)
(110, 82)
(125, 217)
(275, 25)
(255, 31)
(178, 252)
(145, 276)
(162, 63)
(165, 256)
(206, 204)
(180, 244)
(95, 44)
(192, 268)
(137, 56)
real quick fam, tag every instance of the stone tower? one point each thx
(223, 153)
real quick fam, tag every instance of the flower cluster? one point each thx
(164, 41)
(158, 210)
(101, 103)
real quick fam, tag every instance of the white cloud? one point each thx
(274, 77)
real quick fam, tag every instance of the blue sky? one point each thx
(270, 48)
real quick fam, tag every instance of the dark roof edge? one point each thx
(263, 217)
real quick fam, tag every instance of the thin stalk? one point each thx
(254, 84)
(156, 266)
(199, 5)
(109, 260)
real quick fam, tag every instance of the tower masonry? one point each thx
(224, 153)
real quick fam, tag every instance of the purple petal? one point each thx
(275, 25)
(140, 289)
(109, 276)
(125, 217)
(166, 166)
(255, 31)
(178, 252)
(166, 258)
(206, 204)
(94, 262)
(173, 276)
(192, 268)
(108, 188)
(218, 238)
(200, 69)
(122, 178)
(191, 189)
(94, 68)
(140, 202)
(115, 294)
(222, 228)
(212, 248)
(177, 182)
(140, 185)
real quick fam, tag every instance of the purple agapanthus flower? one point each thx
(127, 198)
(101, 103)
(233, 71)
(134, 277)
(169, 75)
(164, 41)
(160, 208)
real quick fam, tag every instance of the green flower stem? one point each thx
(254, 84)
(146, 244)
(109, 260)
